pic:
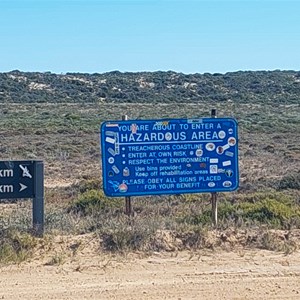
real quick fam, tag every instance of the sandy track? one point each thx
(202, 275)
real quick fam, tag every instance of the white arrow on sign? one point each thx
(23, 187)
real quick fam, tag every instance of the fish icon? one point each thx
(26, 172)
(115, 185)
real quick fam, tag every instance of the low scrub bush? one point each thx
(89, 184)
(270, 211)
(291, 181)
(275, 240)
(93, 200)
(15, 247)
(260, 209)
(125, 234)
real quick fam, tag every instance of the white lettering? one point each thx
(6, 188)
(205, 135)
(202, 125)
(137, 155)
(7, 173)
(155, 180)
(187, 179)
(165, 186)
(209, 178)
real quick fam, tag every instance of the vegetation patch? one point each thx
(123, 234)
(93, 201)
(267, 209)
(269, 86)
(15, 246)
(290, 181)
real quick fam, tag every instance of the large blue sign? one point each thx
(148, 157)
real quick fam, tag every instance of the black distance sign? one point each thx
(17, 179)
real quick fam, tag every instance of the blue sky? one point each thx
(147, 35)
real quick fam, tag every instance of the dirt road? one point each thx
(252, 274)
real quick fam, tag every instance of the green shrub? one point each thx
(277, 213)
(92, 201)
(203, 218)
(270, 211)
(291, 181)
(72, 116)
(89, 184)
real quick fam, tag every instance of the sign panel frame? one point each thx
(17, 179)
(21, 179)
(169, 156)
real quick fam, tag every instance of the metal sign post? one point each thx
(128, 207)
(25, 179)
(214, 199)
(38, 199)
